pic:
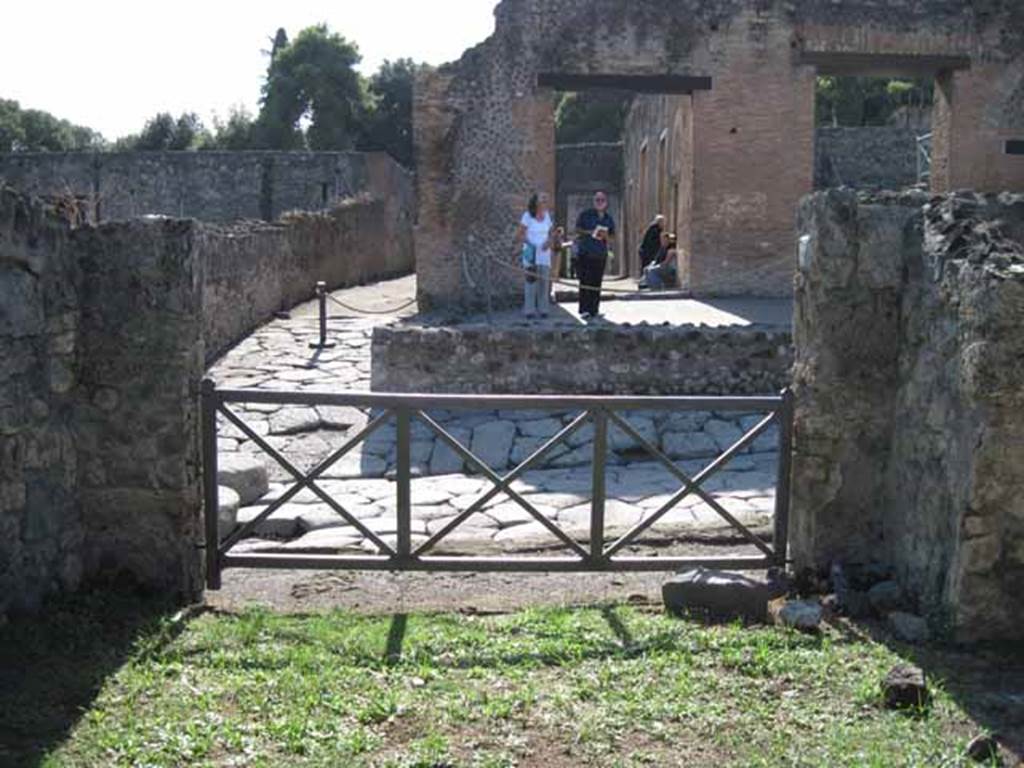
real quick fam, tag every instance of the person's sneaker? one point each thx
(585, 316)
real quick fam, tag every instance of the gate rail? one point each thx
(404, 408)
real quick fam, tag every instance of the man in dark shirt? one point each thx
(595, 229)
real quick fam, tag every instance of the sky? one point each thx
(111, 64)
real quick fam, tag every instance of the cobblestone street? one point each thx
(278, 357)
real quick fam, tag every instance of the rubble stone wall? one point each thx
(254, 270)
(484, 135)
(104, 336)
(210, 186)
(879, 157)
(100, 351)
(613, 361)
(909, 430)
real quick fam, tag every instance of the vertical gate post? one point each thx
(404, 479)
(211, 502)
(783, 485)
(321, 298)
(597, 503)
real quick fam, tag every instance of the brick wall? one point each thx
(483, 138)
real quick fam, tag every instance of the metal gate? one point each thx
(594, 554)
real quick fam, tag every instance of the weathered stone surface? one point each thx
(292, 420)
(908, 415)
(244, 475)
(689, 445)
(444, 460)
(229, 502)
(480, 358)
(905, 687)
(492, 443)
(908, 628)
(885, 597)
(804, 615)
(721, 594)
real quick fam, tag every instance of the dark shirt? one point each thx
(588, 221)
(651, 244)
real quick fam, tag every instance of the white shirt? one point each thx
(537, 233)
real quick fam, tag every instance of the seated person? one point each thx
(662, 271)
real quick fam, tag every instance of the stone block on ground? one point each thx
(283, 524)
(905, 687)
(885, 597)
(292, 420)
(228, 504)
(908, 627)
(245, 475)
(719, 594)
(802, 615)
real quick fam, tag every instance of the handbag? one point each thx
(528, 257)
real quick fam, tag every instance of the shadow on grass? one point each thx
(986, 680)
(54, 665)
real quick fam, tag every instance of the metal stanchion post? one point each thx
(321, 296)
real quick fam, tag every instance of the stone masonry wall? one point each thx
(880, 157)
(613, 361)
(211, 186)
(104, 335)
(909, 430)
(100, 349)
(41, 531)
(254, 270)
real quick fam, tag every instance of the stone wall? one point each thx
(909, 430)
(104, 335)
(211, 186)
(615, 360)
(484, 134)
(253, 270)
(880, 157)
(100, 351)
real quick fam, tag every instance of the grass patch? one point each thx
(611, 686)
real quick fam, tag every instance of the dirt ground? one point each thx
(387, 593)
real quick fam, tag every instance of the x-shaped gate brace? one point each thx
(405, 408)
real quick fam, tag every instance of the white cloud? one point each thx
(110, 65)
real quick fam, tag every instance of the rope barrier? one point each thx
(567, 283)
(390, 311)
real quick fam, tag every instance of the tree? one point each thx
(389, 126)
(12, 136)
(164, 132)
(236, 134)
(312, 81)
(590, 116)
(859, 101)
(33, 130)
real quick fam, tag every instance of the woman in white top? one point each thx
(537, 230)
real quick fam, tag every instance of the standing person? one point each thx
(652, 241)
(595, 229)
(534, 238)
